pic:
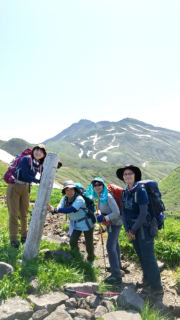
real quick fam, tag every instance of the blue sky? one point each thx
(62, 61)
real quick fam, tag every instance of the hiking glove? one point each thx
(100, 218)
(59, 164)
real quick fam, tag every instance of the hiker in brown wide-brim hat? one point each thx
(131, 167)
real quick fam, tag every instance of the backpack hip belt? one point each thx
(21, 182)
(85, 218)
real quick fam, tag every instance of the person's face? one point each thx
(70, 192)
(129, 177)
(38, 153)
(98, 186)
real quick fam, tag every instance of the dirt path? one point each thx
(131, 275)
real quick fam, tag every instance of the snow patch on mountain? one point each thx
(111, 129)
(105, 150)
(134, 128)
(6, 157)
(104, 158)
(146, 128)
(88, 153)
(83, 142)
(95, 139)
(81, 153)
(63, 137)
(142, 135)
(73, 144)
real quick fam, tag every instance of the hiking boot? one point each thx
(113, 280)
(152, 291)
(144, 283)
(23, 240)
(15, 243)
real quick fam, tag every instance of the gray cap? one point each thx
(68, 184)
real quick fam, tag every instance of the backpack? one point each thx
(9, 175)
(89, 203)
(116, 192)
(156, 207)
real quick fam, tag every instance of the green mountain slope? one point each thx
(170, 189)
(15, 146)
(109, 175)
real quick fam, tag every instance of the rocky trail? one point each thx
(131, 269)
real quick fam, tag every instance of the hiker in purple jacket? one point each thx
(18, 192)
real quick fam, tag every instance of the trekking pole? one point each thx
(87, 294)
(102, 240)
(78, 292)
(96, 293)
(103, 246)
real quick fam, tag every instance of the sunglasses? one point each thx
(97, 184)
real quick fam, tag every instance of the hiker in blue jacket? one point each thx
(137, 220)
(18, 193)
(74, 205)
(110, 215)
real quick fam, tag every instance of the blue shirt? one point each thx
(130, 206)
(74, 216)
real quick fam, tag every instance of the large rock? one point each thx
(124, 315)
(5, 268)
(88, 287)
(40, 314)
(34, 285)
(71, 303)
(59, 314)
(94, 301)
(99, 312)
(83, 314)
(15, 308)
(47, 301)
(129, 298)
(58, 253)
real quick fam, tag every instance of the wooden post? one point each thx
(40, 209)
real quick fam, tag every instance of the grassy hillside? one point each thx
(15, 146)
(109, 175)
(170, 189)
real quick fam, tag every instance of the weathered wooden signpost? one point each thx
(40, 209)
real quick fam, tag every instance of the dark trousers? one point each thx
(113, 249)
(88, 241)
(145, 251)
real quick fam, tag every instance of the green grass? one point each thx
(51, 273)
(170, 189)
(167, 243)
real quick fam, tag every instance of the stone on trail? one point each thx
(71, 311)
(82, 304)
(94, 301)
(88, 287)
(15, 308)
(83, 314)
(5, 268)
(59, 314)
(99, 312)
(47, 301)
(129, 298)
(58, 253)
(71, 303)
(34, 285)
(40, 314)
(124, 315)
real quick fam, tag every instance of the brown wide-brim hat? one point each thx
(136, 170)
(41, 146)
(68, 184)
